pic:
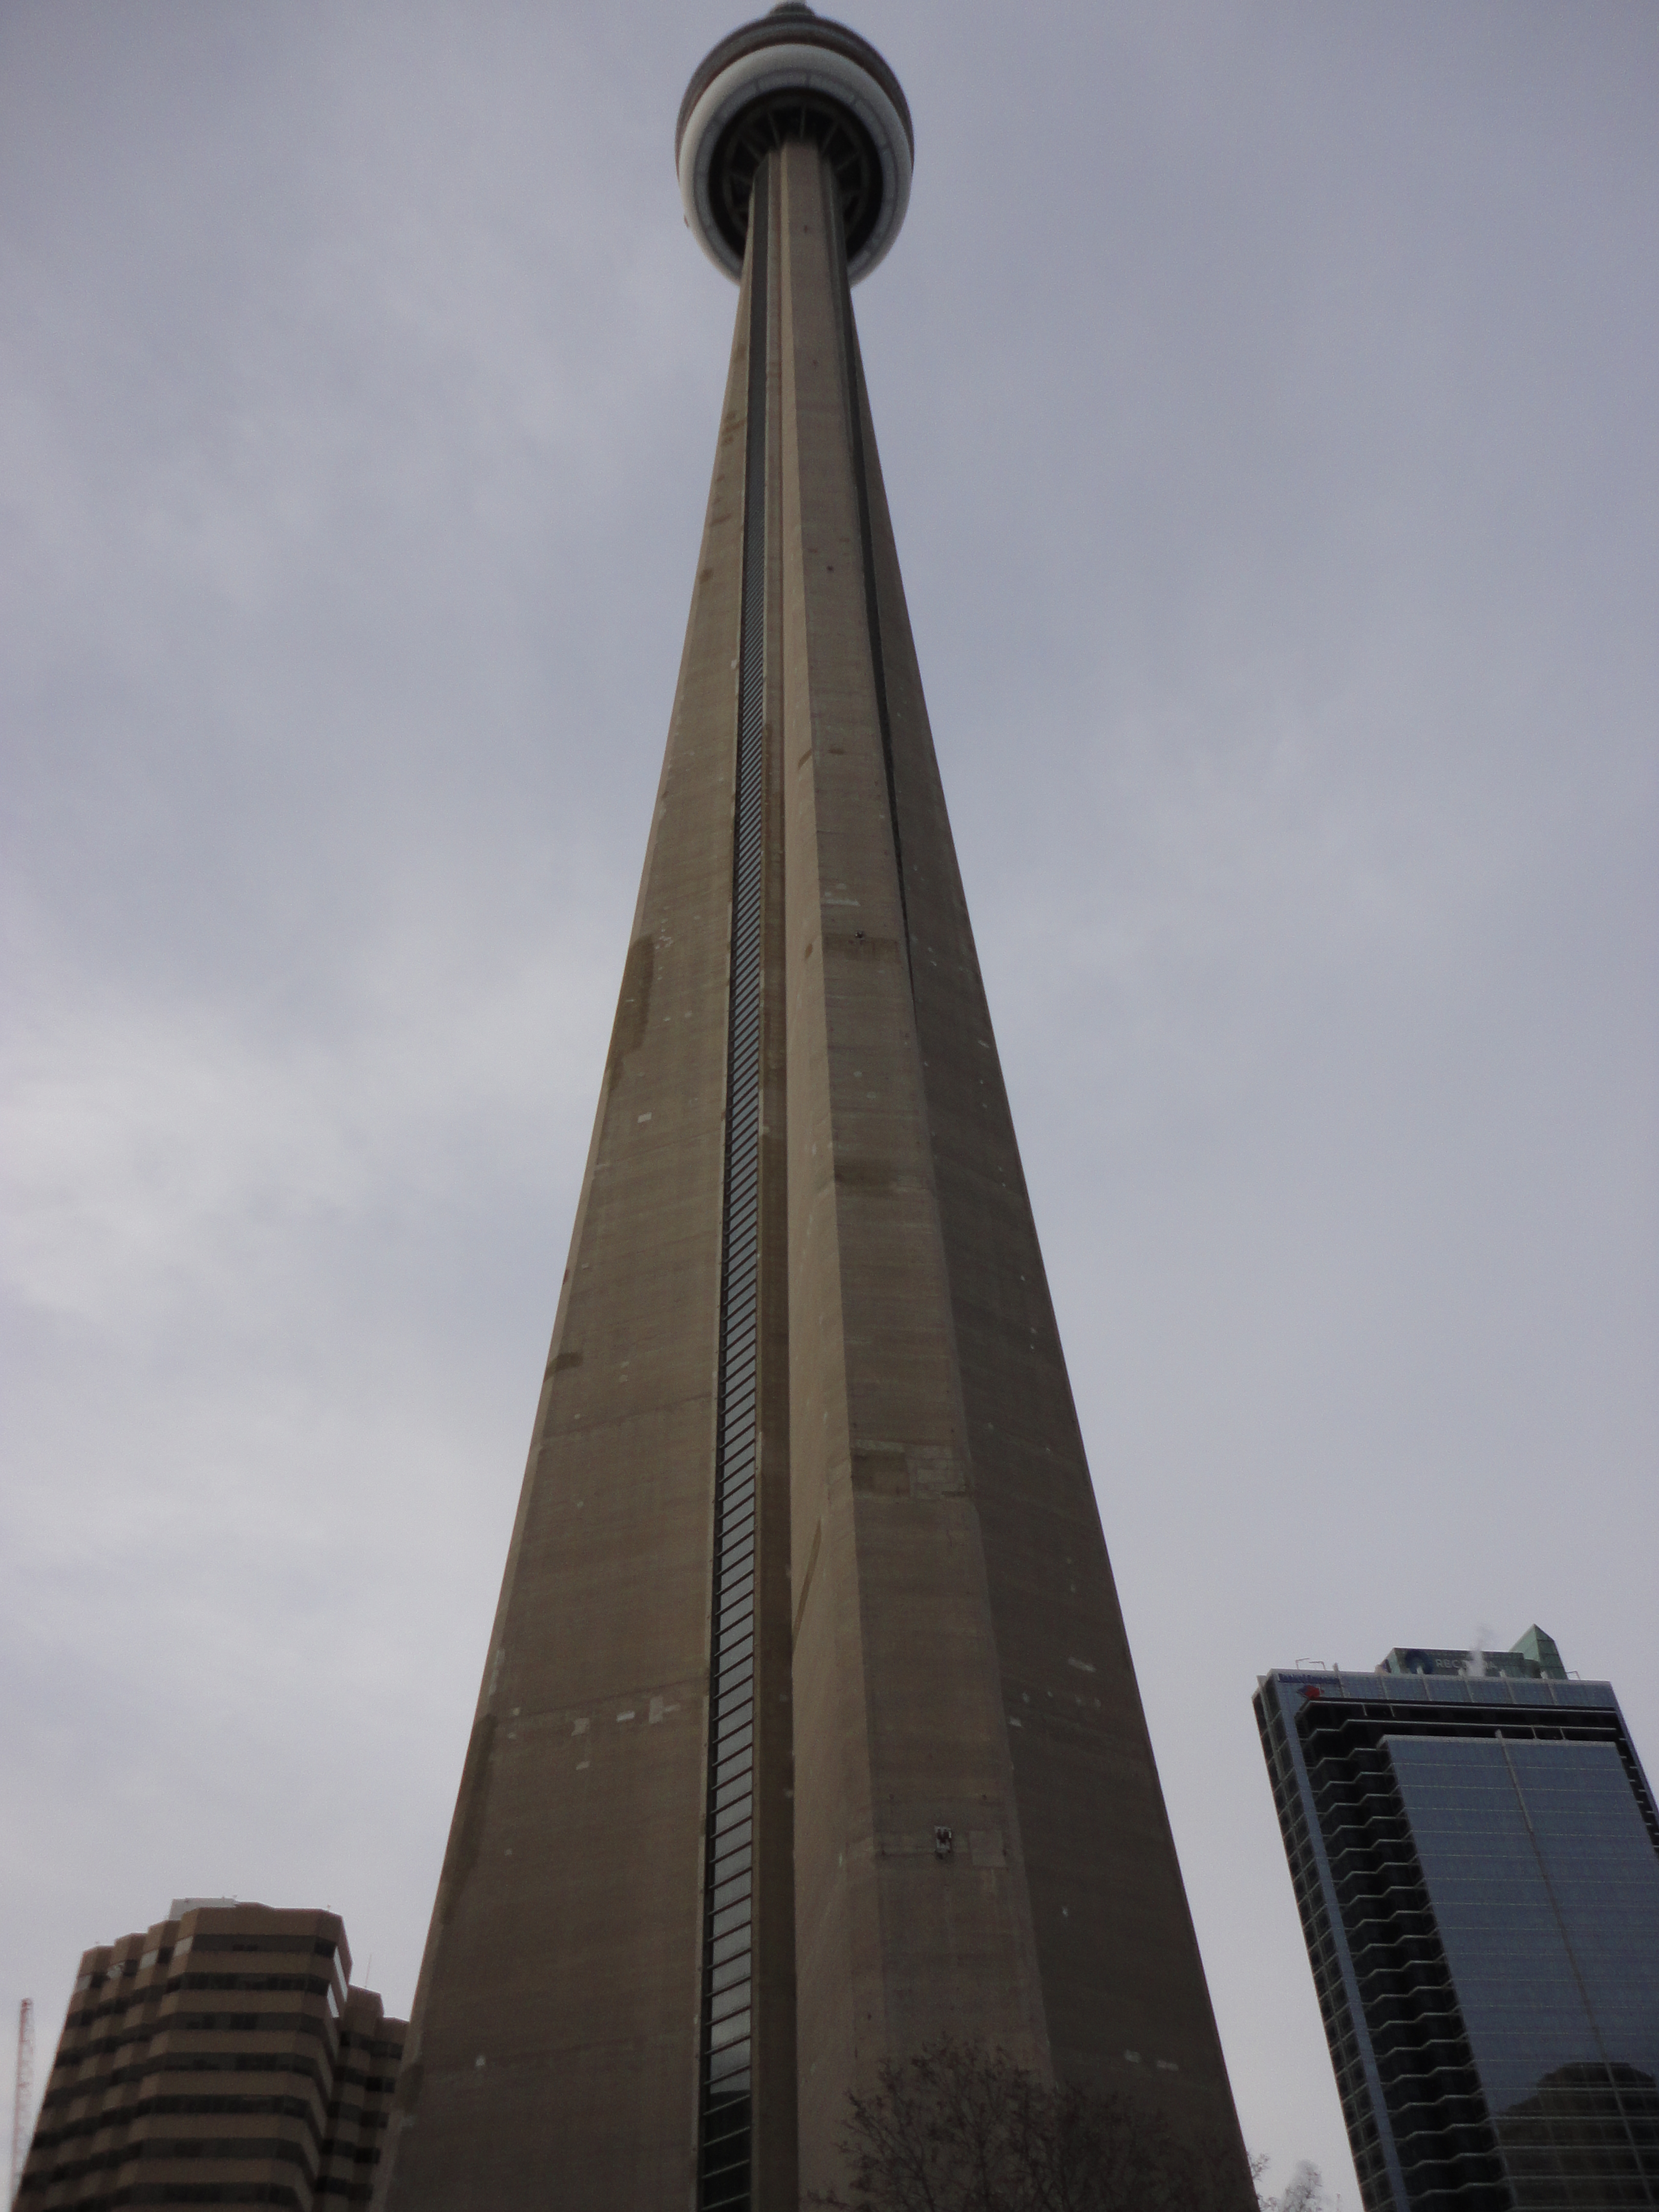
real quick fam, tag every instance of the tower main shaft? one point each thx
(809, 1732)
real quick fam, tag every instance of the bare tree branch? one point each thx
(957, 2127)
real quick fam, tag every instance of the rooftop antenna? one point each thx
(22, 2096)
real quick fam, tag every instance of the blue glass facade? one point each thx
(1476, 1860)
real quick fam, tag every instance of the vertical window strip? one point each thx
(725, 2161)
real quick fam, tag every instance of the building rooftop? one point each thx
(1532, 1657)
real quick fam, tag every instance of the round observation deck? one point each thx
(794, 75)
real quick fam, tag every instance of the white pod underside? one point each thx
(781, 68)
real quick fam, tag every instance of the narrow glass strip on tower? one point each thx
(724, 2162)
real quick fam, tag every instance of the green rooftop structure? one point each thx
(1532, 1657)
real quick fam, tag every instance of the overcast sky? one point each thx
(1266, 395)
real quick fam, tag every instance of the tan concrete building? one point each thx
(220, 2057)
(808, 1730)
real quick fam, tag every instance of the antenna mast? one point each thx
(22, 2096)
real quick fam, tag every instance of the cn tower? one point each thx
(808, 1731)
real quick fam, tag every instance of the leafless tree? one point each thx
(960, 2129)
(1304, 2192)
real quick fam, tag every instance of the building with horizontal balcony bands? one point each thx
(222, 2057)
(1475, 1852)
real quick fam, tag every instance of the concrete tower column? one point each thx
(911, 1913)
(808, 1733)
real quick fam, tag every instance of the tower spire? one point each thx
(808, 1732)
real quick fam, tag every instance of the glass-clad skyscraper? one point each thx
(1475, 1852)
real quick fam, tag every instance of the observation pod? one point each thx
(793, 77)
(808, 1733)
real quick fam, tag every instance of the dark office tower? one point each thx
(1475, 1853)
(808, 1731)
(222, 2057)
